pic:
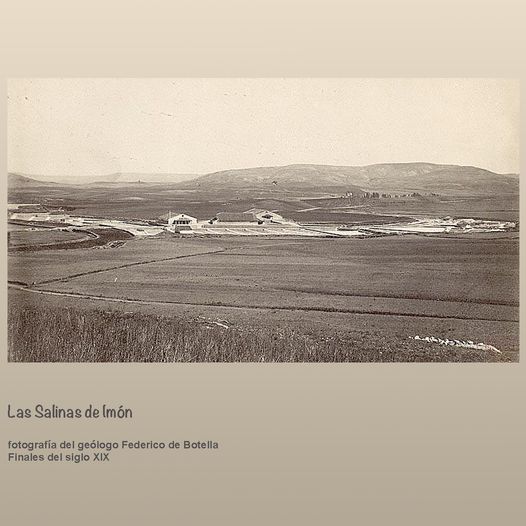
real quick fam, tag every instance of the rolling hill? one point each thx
(402, 177)
(23, 181)
(306, 179)
(121, 177)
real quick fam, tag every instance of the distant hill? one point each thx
(293, 178)
(23, 181)
(155, 177)
(311, 179)
(402, 177)
(125, 177)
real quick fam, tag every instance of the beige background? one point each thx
(301, 444)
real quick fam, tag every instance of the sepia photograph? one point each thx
(263, 220)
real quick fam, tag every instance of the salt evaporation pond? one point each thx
(444, 225)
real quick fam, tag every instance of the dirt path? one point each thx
(79, 295)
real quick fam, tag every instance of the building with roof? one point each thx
(181, 220)
(235, 218)
(268, 217)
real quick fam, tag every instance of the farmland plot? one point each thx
(380, 292)
(37, 267)
(41, 237)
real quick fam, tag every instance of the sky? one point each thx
(87, 127)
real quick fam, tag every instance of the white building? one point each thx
(182, 219)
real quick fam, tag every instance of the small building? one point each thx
(268, 217)
(181, 220)
(235, 217)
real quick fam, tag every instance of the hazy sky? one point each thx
(100, 126)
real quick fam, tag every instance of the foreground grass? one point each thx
(67, 335)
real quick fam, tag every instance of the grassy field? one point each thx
(94, 238)
(320, 272)
(41, 237)
(368, 297)
(342, 216)
(499, 207)
(150, 201)
(69, 335)
(31, 266)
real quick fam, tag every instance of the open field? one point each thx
(150, 201)
(369, 296)
(42, 237)
(41, 267)
(64, 334)
(500, 207)
(43, 240)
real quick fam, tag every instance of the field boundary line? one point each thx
(398, 297)
(125, 265)
(136, 263)
(27, 248)
(80, 295)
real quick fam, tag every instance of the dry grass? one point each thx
(19, 238)
(94, 237)
(68, 335)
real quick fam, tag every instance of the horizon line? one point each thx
(109, 174)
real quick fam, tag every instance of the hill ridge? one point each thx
(307, 177)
